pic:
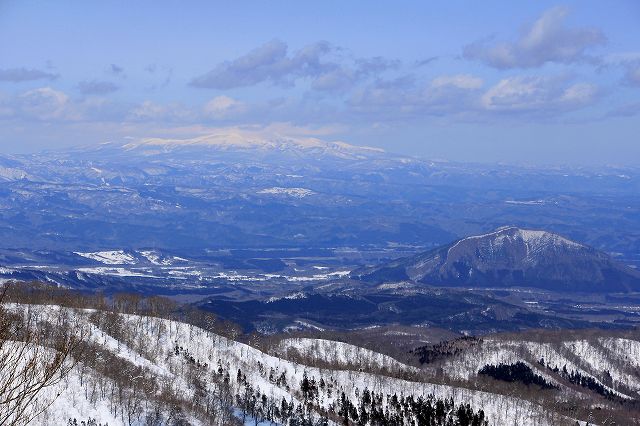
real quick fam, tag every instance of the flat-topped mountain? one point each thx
(238, 140)
(258, 146)
(509, 257)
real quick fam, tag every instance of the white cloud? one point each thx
(403, 98)
(53, 105)
(224, 107)
(461, 81)
(336, 79)
(45, 103)
(579, 94)
(537, 94)
(152, 111)
(546, 40)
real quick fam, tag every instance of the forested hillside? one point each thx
(129, 360)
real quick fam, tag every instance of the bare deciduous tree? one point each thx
(33, 358)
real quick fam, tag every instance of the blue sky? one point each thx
(521, 82)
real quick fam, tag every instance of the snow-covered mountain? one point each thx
(511, 256)
(253, 141)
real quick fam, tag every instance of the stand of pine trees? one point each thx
(368, 409)
(429, 353)
(517, 372)
(390, 410)
(258, 406)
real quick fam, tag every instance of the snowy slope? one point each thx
(113, 257)
(614, 356)
(292, 192)
(340, 354)
(151, 343)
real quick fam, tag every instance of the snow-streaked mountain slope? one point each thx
(491, 245)
(508, 257)
(11, 174)
(159, 259)
(113, 257)
(131, 257)
(610, 361)
(166, 349)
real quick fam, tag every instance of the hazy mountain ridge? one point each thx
(107, 197)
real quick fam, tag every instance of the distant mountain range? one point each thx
(249, 189)
(511, 257)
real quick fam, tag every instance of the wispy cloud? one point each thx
(97, 87)
(626, 110)
(161, 74)
(632, 74)
(115, 69)
(224, 107)
(546, 40)
(273, 63)
(405, 98)
(44, 104)
(542, 95)
(17, 75)
(466, 97)
(47, 104)
(269, 62)
(154, 111)
(426, 61)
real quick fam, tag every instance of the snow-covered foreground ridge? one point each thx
(184, 359)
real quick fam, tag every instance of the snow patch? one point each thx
(113, 257)
(292, 192)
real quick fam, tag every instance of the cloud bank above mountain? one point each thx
(395, 79)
